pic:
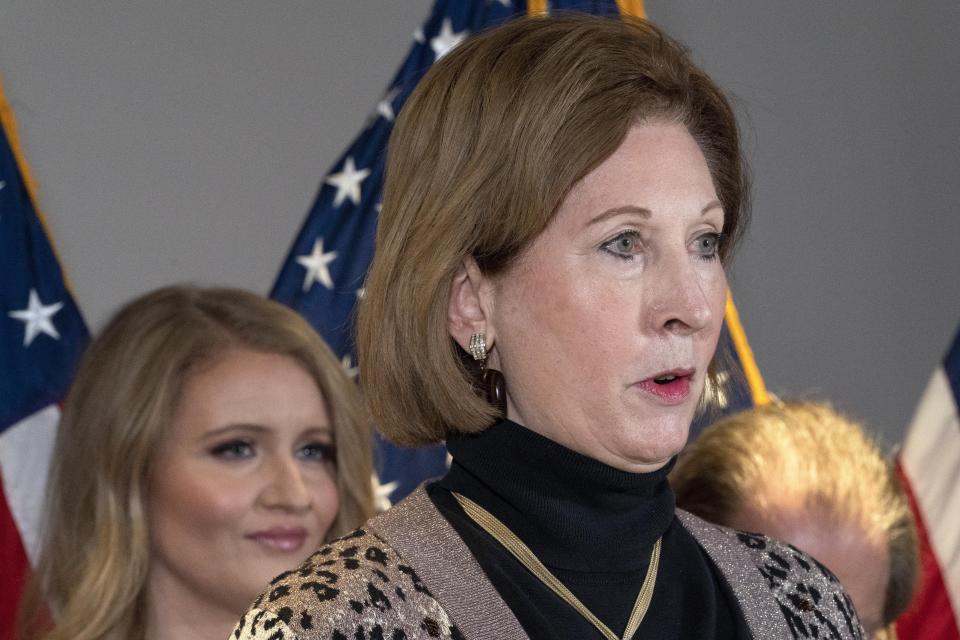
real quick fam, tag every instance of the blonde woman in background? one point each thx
(210, 440)
(803, 473)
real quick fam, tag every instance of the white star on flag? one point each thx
(385, 106)
(347, 182)
(316, 263)
(37, 318)
(382, 492)
(418, 35)
(446, 39)
(347, 363)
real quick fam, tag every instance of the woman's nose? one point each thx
(286, 486)
(680, 303)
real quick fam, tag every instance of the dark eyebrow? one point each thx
(609, 213)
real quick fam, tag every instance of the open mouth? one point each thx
(671, 387)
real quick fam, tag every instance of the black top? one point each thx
(594, 527)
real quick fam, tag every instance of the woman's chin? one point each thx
(642, 457)
(652, 449)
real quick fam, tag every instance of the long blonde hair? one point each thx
(94, 552)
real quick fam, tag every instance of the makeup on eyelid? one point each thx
(606, 327)
(244, 471)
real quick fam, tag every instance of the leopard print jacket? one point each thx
(365, 586)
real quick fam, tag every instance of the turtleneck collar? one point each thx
(575, 513)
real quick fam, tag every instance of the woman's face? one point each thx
(606, 325)
(243, 484)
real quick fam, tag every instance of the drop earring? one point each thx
(493, 383)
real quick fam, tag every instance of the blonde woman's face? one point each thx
(605, 327)
(243, 485)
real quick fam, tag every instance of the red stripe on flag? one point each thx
(13, 559)
(930, 615)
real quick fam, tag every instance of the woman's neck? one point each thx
(574, 512)
(174, 612)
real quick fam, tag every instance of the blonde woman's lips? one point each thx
(280, 538)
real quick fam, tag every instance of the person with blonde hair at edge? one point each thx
(804, 473)
(209, 440)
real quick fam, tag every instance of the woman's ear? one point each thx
(469, 308)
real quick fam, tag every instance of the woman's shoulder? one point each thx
(354, 587)
(809, 597)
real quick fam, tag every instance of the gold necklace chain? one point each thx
(522, 552)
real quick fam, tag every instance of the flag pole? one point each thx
(9, 122)
(758, 390)
(632, 8)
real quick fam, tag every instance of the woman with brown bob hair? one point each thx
(210, 439)
(546, 296)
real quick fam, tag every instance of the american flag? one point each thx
(929, 466)
(322, 277)
(42, 332)
(41, 337)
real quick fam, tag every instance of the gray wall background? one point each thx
(185, 141)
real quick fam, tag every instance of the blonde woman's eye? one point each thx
(233, 450)
(318, 452)
(624, 245)
(708, 245)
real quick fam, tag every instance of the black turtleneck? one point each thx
(594, 527)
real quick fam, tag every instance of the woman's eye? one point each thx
(708, 245)
(319, 452)
(233, 450)
(625, 245)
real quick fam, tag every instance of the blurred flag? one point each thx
(324, 271)
(929, 464)
(41, 337)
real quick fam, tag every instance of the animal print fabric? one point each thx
(353, 588)
(360, 588)
(808, 595)
(782, 591)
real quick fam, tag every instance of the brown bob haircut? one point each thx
(95, 548)
(482, 155)
(806, 454)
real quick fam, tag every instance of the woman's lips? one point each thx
(280, 538)
(670, 387)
